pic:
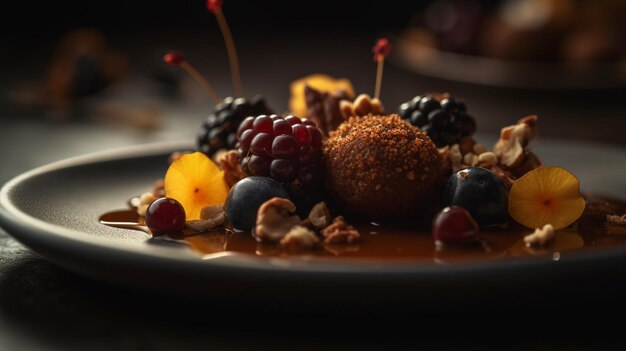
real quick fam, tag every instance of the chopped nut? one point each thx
(455, 157)
(144, 202)
(505, 176)
(487, 159)
(470, 159)
(540, 237)
(158, 188)
(615, 219)
(466, 144)
(615, 225)
(299, 238)
(479, 149)
(320, 216)
(142, 209)
(511, 147)
(210, 217)
(219, 156)
(229, 162)
(444, 153)
(340, 232)
(274, 219)
(363, 105)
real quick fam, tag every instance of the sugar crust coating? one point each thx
(382, 168)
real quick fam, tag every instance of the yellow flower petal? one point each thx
(195, 181)
(546, 195)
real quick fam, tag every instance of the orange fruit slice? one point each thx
(195, 181)
(546, 195)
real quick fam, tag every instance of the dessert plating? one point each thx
(291, 179)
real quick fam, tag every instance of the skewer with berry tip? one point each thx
(176, 59)
(363, 104)
(219, 130)
(215, 7)
(380, 51)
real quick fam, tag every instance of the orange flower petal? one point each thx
(546, 195)
(195, 181)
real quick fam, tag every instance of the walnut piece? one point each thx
(456, 158)
(512, 147)
(158, 188)
(320, 217)
(363, 105)
(144, 202)
(616, 224)
(229, 162)
(615, 219)
(340, 232)
(210, 217)
(299, 238)
(540, 237)
(274, 219)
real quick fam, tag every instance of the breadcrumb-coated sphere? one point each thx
(382, 168)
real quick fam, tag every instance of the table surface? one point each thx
(46, 307)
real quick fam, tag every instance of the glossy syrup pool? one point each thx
(408, 242)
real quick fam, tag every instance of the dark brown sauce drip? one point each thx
(407, 243)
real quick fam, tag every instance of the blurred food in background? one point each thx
(82, 75)
(587, 39)
(82, 65)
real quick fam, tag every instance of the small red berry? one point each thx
(173, 58)
(165, 216)
(214, 5)
(454, 225)
(381, 49)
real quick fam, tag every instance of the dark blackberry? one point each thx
(442, 117)
(219, 130)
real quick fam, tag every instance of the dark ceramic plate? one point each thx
(54, 210)
(502, 73)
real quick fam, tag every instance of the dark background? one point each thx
(46, 307)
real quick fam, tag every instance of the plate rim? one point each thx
(34, 232)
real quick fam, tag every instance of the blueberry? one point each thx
(480, 192)
(245, 198)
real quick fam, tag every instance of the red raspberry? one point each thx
(284, 148)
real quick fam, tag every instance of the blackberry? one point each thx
(284, 148)
(219, 131)
(443, 117)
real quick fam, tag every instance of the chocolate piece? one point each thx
(323, 108)
(382, 168)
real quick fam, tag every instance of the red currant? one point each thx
(454, 225)
(165, 215)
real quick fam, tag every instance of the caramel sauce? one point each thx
(407, 242)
